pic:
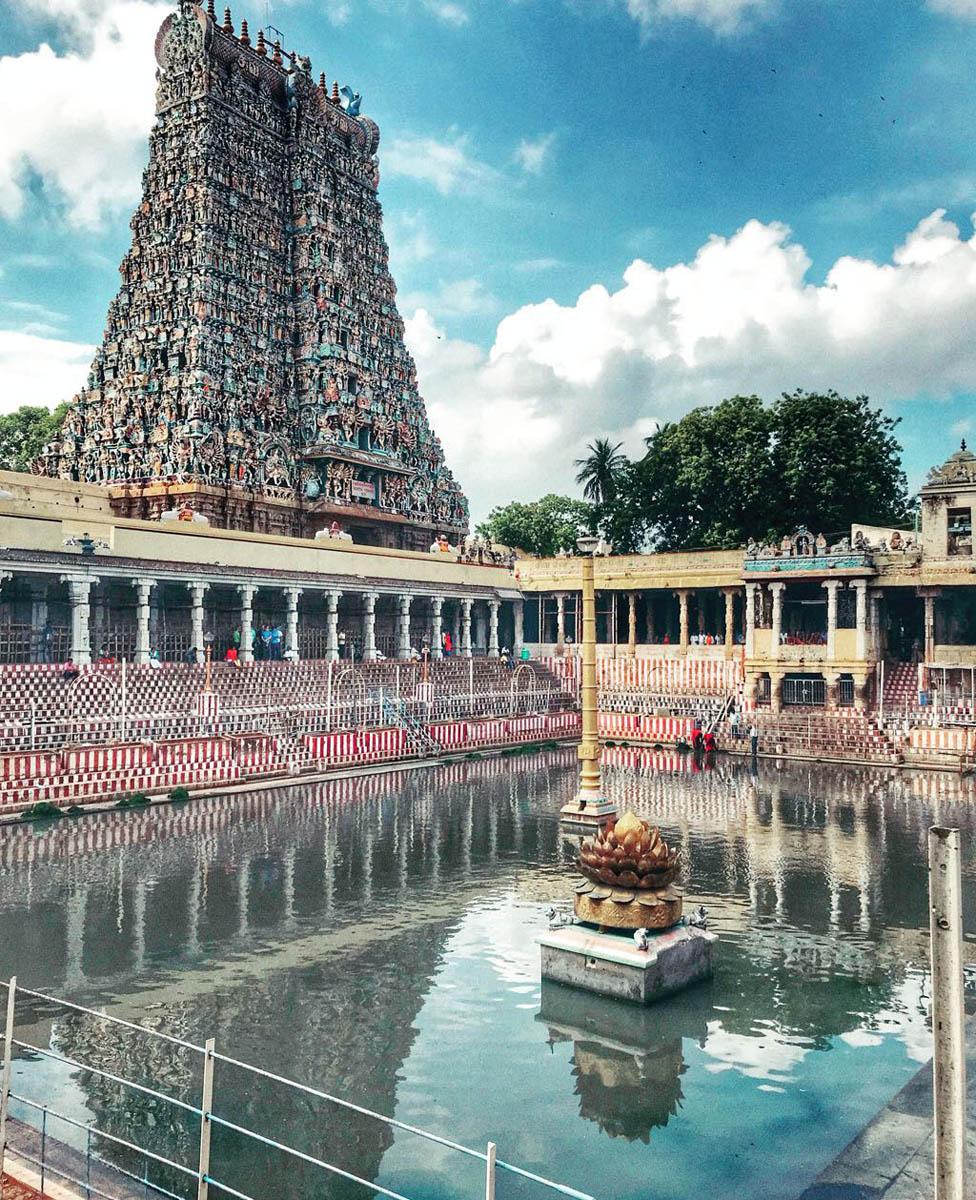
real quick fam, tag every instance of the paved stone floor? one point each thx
(892, 1158)
(12, 1190)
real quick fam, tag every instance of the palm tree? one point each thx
(600, 470)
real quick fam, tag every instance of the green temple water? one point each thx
(375, 938)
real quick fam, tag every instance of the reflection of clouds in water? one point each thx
(861, 1037)
(908, 1018)
(496, 933)
(767, 1056)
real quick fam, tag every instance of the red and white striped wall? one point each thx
(954, 741)
(644, 728)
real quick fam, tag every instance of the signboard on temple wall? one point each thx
(363, 491)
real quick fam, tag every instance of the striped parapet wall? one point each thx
(356, 747)
(942, 746)
(633, 727)
(677, 675)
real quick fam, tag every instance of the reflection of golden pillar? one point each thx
(589, 804)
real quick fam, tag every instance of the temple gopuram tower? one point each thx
(253, 366)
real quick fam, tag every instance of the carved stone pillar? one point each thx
(39, 616)
(874, 611)
(775, 691)
(831, 586)
(776, 632)
(332, 626)
(729, 594)
(929, 597)
(436, 626)
(291, 622)
(683, 594)
(493, 606)
(518, 616)
(632, 623)
(197, 593)
(861, 617)
(79, 597)
(247, 591)
(369, 625)
(466, 628)
(832, 689)
(144, 589)
(403, 625)
(751, 589)
(560, 621)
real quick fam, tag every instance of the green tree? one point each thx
(24, 432)
(836, 461)
(743, 469)
(600, 470)
(541, 527)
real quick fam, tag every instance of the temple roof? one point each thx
(957, 468)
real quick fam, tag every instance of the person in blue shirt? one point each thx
(276, 642)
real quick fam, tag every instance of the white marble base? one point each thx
(611, 965)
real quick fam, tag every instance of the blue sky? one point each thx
(774, 164)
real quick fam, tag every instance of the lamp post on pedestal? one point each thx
(590, 807)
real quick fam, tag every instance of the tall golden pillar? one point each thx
(590, 805)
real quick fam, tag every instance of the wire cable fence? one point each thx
(47, 1156)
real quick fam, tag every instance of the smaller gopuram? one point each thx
(253, 367)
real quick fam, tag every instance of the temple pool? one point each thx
(374, 937)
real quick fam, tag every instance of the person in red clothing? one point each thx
(709, 742)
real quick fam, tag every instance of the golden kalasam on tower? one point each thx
(628, 874)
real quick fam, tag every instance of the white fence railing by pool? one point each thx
(202, 1177)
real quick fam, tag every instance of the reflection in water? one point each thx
(374, 937)
(627, 1061)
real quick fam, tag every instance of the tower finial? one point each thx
(335, 91)
(211, 11)
(322, 84)
(245, 37)
(228, 23)
(276, 57)
(261, 48)
(962, 444)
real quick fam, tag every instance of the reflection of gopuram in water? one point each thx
(627, 1061)
(353, 893)
(306, 927)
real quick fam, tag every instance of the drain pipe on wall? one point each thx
(948, 1014)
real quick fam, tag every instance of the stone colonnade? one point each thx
(418, 620)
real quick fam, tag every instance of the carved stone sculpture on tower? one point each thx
(254, 360)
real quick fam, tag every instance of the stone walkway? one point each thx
(893, 1156)
(12, 1190)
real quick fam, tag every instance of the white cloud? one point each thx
(741, 316)
(531, 266)
(448, 12)
(78, 121)
(39, 370)
(409, 239)
(447, 165)
(955, 8)
(456, 298)
(531, 154)
(721, 16)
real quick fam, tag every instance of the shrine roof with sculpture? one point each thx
(255, 344)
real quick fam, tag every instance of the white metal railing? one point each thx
(203, 1173)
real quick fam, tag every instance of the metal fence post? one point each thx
(490, 1172)
(8, 1038)
(948, 1016)
(206, 1106)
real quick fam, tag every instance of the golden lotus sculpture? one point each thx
(629, 872)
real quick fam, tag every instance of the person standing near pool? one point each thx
(753, 739)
